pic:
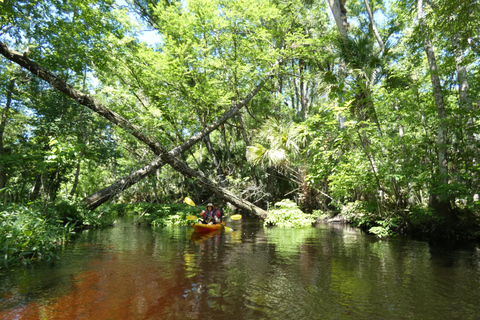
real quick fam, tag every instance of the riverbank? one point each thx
(35, 232)
(420, 222)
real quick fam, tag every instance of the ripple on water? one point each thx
(129, 272)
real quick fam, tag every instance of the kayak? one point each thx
(207, 227)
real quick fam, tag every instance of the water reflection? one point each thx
(328, 272)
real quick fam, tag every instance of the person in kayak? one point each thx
(208, 215)
(218, 213)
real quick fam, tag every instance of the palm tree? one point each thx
(280, 142)
(277, 145)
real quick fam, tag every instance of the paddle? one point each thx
(236, 217)
(190, 202)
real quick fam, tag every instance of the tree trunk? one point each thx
(3, 124)
(155, 146)
(82, 151)
(77, 173)
(242, 129)
(463, 87)
(216, 163)
(340, 17)
(466, 105)
(37, 185)
(374, 27)
(439, 200)
(227, 148)
(303, 91)
(339, 13)
(102, 196)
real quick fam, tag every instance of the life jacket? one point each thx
(218, 213)
(208, 215)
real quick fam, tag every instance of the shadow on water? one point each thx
(327, 272)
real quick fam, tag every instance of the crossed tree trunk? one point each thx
(164, 156)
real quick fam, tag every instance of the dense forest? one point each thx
(366, 109)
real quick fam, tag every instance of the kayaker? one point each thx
(208, 215)
(218, 213)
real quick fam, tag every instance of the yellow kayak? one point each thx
(207, 227)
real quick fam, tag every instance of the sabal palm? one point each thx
(276, 142)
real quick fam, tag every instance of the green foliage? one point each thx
(158, 215)
(340, 126)
(286, 214)
(384, 228)
(27, 235)
(72, 210)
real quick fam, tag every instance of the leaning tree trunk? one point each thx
(439, 200)
(104, 195)
(118, 120)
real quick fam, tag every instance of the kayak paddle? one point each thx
(227, 228)
(189, 201)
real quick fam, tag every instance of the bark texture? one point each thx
(339, 13)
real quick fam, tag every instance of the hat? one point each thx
(209, 204)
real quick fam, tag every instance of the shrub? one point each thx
(286, 214)
(26, 235)
(73, 211)
(159, 215)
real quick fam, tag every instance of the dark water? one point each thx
(328, 272)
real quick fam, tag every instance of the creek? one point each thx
(328, 272)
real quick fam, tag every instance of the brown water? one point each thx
(328, 272)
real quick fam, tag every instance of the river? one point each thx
(328, 272)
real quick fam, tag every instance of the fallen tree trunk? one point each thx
(91, 103)
(98, 198)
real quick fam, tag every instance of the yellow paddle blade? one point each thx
(189, 217)
(189, 201)
(227, 228)
(236, 217)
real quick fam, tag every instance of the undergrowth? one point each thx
(27, 235)
(158, 215)
(34, 231)
(286, 214)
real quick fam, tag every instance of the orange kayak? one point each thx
(207, 227)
